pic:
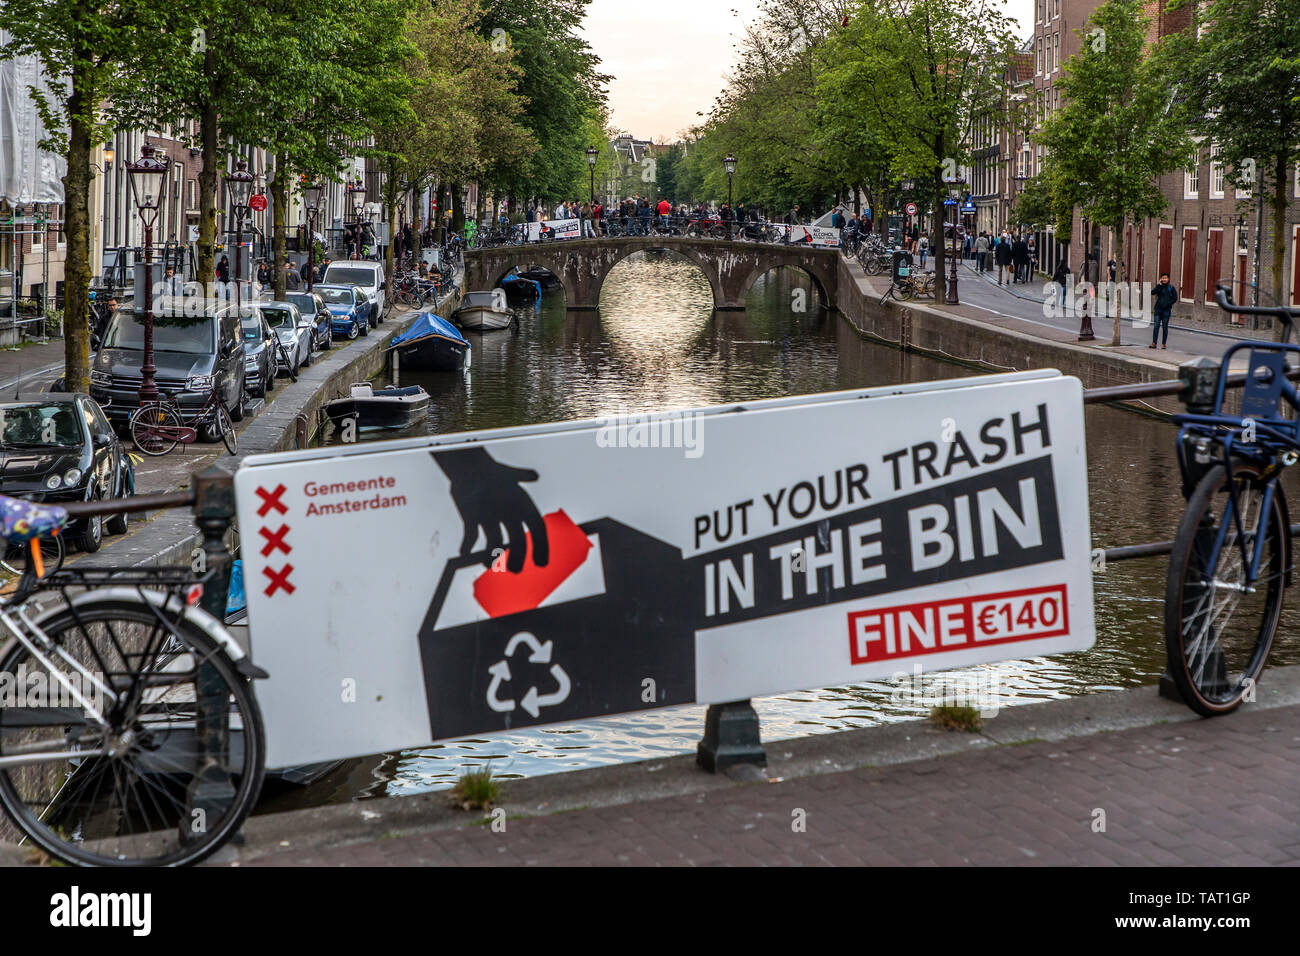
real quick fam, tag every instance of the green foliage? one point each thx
(961, 717)
(476, 790)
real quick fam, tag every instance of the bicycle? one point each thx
(145, 746)
(158, 427)
(1231, 560)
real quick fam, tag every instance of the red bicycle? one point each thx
(157, 427)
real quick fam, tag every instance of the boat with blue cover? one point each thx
(431, 344)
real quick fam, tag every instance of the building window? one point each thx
(1039, 18)
(1192, 183)
(1216, 173)
(193, 203)
(1056, 51)
(1041, 41)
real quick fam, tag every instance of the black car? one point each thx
(198, 347)
(61, 448)
(259, 353)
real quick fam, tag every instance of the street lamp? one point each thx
(592, 153)
(239, 186)
(109, 155)
(147, 177)
(358, 193)
(311, 199)
(729, 164)
(954, 193)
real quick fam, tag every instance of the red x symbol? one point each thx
(274, 539)
(271, 500)
(279, 580)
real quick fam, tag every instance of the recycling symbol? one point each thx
(533, 702)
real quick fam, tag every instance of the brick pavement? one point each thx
(1206, 792)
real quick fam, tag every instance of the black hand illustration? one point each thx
(488, 497)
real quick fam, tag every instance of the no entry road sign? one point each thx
(417, 590)
(910, 209)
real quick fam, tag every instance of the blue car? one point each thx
(349, 309)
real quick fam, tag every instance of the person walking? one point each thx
(982, 252)
(1062, 277)
(1002, 257)
(1020, 259)
(291, 281)
(1162, 303)
(923, 243)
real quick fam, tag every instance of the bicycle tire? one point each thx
(1202, 643)
(137, 819)
(148, 429)
(229, 437)
(53, 551)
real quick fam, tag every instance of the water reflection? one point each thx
(657, 345)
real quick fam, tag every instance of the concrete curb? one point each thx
(621, 784)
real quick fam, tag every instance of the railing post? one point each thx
(731, 736)
(211, 789)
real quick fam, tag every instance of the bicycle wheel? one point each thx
(1217, 631)
(904, 290)
(153, 428)
(227, 430)
(136, 786)
(16, 557)
(874, 266)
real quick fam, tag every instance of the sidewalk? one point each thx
(1122, 778)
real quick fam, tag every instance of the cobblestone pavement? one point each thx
(1208, 792)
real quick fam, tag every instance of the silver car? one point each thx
(295, 333)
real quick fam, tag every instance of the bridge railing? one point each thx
(618, 226)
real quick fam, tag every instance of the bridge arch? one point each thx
(582, 265)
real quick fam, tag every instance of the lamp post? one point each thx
(729, 164)
(239, 187)
(311, 199)
(954, 193)
(358, 194)
(147, 177)
(592, 154)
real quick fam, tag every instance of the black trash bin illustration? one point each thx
(586, 657)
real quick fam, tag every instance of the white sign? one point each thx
(561, 229)
(815, 235)
(193, 233)
(408, 591)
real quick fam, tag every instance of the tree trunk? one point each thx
(480, 206)
(1281, 186)
(1119, 261)
(457, 209)
(209, 183)
(76, 186)
(390, 212)
(938, 245)
(279, 224)
(438, 220)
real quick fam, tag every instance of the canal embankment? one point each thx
(975, 336)
(1024, 788)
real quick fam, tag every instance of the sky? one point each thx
(669, 57)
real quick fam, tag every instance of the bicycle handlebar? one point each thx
(1223, 296)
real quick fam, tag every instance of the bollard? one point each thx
(731, 737)
(301, 438)
(211, 789)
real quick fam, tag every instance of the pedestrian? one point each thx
(325, 264)
(1020, 258)
(645, 212)
(726, 219)
(223, 277)
(171, 282)
(923, 243)
(1111, 268)
(290, 276)
(1061, 278)
(1002, 257)
(263, 274)
(1162, 303)
(982, 252)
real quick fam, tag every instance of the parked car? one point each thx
(60, 449)
(193, 354)
(349, 308)
(312, 308)
(296, 334)
(259, 353)
(368, 275)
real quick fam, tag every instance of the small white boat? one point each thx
(379, 408)
(482, 312)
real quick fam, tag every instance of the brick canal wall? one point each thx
(947, 335)
(170, 537)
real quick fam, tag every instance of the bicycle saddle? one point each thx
(21, 521)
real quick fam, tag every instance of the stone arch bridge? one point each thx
(581, 265)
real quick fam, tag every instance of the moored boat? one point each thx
(431, 344)
(517, 287)
(482, 312)
(374, 407)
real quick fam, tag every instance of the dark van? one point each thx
(197, 347)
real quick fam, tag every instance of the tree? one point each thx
(1243, 77)
(1119, 127)
(89, 51)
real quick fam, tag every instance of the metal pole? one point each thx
(1259, 230)
(148, 387)
(311, 247)
(239, 248)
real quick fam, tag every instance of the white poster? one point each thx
(560, 229)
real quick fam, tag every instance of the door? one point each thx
(1164, 257)
(1239, 292)
(1187, 287)
(1213, 263)
(1295, 265)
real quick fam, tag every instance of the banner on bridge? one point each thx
(403, 592)
(561, 229)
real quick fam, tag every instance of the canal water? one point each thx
(656, 344)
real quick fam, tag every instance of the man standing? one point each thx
(1002, 257)
(1020, 257)
(290, 276)
(982, 252)
(1162, 302)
